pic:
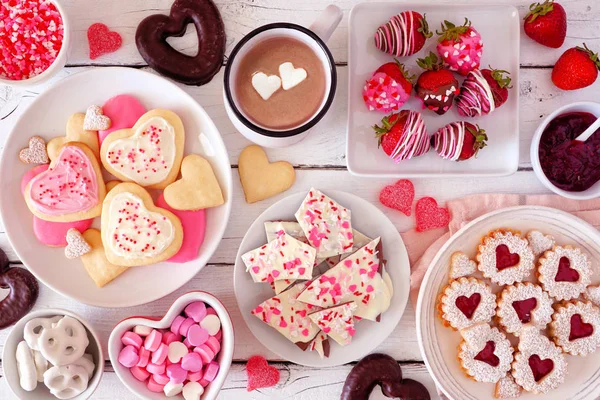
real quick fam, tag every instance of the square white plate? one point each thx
(499, 27)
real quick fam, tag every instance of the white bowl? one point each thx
(583, 106)
(59, 62)
(9, 362)
(224, 358)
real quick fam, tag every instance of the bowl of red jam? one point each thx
(34, 41)
(568, 167)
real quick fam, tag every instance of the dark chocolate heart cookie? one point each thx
(24, 291)
(151, 40)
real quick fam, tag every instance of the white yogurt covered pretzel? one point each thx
(66, 381)
(26, 367)
(64, 343)
(33, 329)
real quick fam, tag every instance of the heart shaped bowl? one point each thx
(224, 358)
(41, 392)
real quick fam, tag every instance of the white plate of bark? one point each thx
(439, 344)
(367, 219)
(499, 26)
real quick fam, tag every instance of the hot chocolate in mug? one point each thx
(280, 80)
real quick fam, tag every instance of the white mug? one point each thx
(315, 37)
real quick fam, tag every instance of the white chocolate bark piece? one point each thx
(292, 228)
(282, 258)
(326, 224)
(321, 345)
(357, 278)
(337, 322)
(289, 316)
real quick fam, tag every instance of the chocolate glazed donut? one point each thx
(151, 40)
(24, 291)
(380, 369)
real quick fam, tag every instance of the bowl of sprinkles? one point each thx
(34, 41)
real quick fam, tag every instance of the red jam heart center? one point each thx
(579, 329)
(539, 367)
(504, 258)
(487, 354)
(565, 273)
(523, 308)
(468, 305)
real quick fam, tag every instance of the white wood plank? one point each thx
(241, 17)
(298, 383)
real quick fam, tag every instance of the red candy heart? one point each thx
(468, 305)
(398, 196)
(565, 273)
(260, 373)
(102, 40)
(579, 329)
(523, 309)
(504, 258)
(487, 354)
(539, 367)
(430, 216)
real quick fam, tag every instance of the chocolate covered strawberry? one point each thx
(460, 46)
(437, 86)
(576, 68)
(459, 141)
(546, 23)
(483, 91)
(403, 35)
(403, 135)
(388, 89)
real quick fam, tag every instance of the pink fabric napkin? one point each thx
(423, 246)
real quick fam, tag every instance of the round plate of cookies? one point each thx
(510, 307)
(120, 187)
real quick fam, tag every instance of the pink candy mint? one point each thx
(160, 355)
(128, 357)
(154, 386)
(185, 326)
(197, 335)
(176, 324)
(153, 340)
(132, 339)
(195, 376)
(144, 357)
(383, 93)
(214, 344)
(192, 362)
(206, 353)
(161, 379)
(156, 368)
(211, 311)
(139, 373)
(169, 337)
(196, 310)
(176, 373)
(211, 371)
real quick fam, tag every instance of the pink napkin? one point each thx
(423, 246)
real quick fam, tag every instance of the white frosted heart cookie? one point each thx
(148, 154)
(135, 231)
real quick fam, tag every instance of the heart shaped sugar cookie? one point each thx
(76, 244)
(95, 120)
(71, 189)
(148, 154)
(198, 187)
(291, 76)
(135, 231)
(35, 152)
(262, 179)
(265, 85)
(95, 262)
(75, 133)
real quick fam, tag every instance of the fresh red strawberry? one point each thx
(437, 86)
(475, 140)
(546, 23)
(398, 72)
(403, 135)
(498, 83)
(576, 68)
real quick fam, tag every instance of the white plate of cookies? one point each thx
(119, 188)
(322, 278)
(510, 307)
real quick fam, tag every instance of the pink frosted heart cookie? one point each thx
(194, 228)
(124, 111)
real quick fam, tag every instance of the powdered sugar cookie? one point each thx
(575, 327)
(524, 303)
(539, 242)
(95, 262)
(35, 152)
(461, 265)
(592, 293)
(76, 244)
(507, 388)
(539, 365)
(465, 302)
(564, 272)
(485, 353)
(148, 154)
(75, 133)
(70, 190)
(135, 231)
(95, 120)
(505, 257)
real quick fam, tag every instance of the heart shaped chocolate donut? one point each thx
(24, 291)
(151, 40)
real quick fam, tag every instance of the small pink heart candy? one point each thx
(196, 311)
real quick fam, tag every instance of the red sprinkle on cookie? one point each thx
(398, 196)
(260, 373)
(430, 216)
(102, 40)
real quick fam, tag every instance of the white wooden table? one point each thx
(319, 161)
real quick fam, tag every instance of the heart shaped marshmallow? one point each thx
(291, 76)
(265, 85)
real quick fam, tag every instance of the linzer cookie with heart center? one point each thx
(151, 40)
(465, 302)
(575, 327)
(564, 272)
(505, 257)
(524, 303)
